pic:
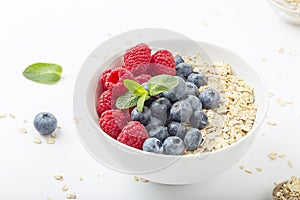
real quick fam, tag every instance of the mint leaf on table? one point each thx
(127, 100)
(135, 88)
(161, 83)
(46, 73)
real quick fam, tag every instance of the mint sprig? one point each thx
(137, 94)
(46, 73)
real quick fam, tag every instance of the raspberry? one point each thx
(142, 78)
(163, 58)
(137, 59)
(157, 69)
(133, 134)
(104, 102)
(112, 122)
(103, 78)
(117, 75)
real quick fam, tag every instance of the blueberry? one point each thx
(150, 101)
(178, 60)
(199, 119)
(178, 92)
(159, 132)
(160, 108)
(143, 117)
(177, 129)
(192, 139)
(194, 102)
(45, 123)
(192, 89)
(181, 111)
(154, 122)
(145, 86)
(153, 145)
(183, 69)
(210, 98)
(198, 79)
(173, 145)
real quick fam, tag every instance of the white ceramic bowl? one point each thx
(154, 167)
(289, 12)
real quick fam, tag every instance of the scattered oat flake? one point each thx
(136, 178)
(281, 155)
(272, 155)
(59, 177)
(64, 188)
(242, 167)
(271, 94)
(290, 164)
(54, 135)
(3, 115)
(282, 102)
(12, 116)
(25, 121)
(259, 169)
(37, 140)
(50, 141)
(81, 179)
(144, 180)
(76, 120)
(281, 50)
(248, 171)
(272, 123)
(59, 127)
(71, 196)
(23, 130)
(264, 60)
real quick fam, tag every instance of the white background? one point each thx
(65, 32)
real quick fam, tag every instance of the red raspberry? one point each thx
(117, 75)
(142, 78)
(103, 78)
(112, 122)
(163, 58)
(137, 59)
(157, 69)
(104, 102)
(133, 134)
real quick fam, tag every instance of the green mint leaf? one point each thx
(126, 100)
(46, 73)
(141, 101)
(135, 88)
(161, 83)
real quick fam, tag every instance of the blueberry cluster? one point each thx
(174, 118)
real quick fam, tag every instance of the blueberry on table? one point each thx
(199, 119)
(192, 89)
(143, 117)
(173, 145)
(178, 60)
(45, 123)
(183, 69)
(210, 98)
(159, 132)
(153, 145)
(197, 78)
(181, 111)
(177, 129)
(192, 139)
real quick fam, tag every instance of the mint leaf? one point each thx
(135, 88)
(141, 101)
(161, 83)
(46, 73)
(126, 100)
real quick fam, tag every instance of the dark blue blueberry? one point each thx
(150, 101)
(160, 108)
(192, 139)
(143, 117)
(45, 123)
(192, 89)
(178, 60)
(178, 92)
(181, 111)
(194, 101)
(177, 129)
(154, 122)
(183, 69)
(153, 145)
(198, 79)
(173, 145)
(210, 98)
(199, 119)
(159, 132)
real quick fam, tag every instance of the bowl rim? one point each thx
(185, 156)
(286, 8)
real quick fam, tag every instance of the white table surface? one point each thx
(65, 32)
